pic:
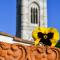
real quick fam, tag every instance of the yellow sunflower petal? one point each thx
(56, 34)
(36, 42)
(38, 29)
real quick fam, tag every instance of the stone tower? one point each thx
(30, 13)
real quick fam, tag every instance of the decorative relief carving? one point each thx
(23, 52)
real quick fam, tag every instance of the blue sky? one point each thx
(53, 7)
(8, 15)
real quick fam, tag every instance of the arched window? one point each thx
(34, 13)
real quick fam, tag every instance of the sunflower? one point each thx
(55, 37)
(48, 36)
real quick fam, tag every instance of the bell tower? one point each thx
(29, 14)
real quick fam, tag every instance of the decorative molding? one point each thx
(23, 52)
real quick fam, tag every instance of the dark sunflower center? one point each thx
(40, 34)
(45, 36)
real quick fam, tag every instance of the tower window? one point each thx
(34, 15)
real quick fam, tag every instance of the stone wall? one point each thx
(23, 17)
(23, 52)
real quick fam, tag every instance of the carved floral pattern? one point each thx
(23, 52)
